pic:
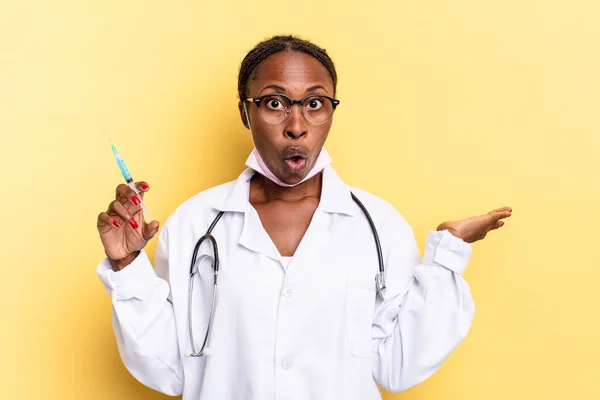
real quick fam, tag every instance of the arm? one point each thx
(428, 308)
(143, 320)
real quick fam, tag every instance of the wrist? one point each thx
(452, 231)
(118, 265)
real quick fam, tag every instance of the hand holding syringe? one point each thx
(127, 176)
(123, 243)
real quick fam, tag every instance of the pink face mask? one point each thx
(256, 162)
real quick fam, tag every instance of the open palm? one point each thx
(476, 228)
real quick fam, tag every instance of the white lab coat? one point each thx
(316, 330)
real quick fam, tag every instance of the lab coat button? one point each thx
(287, 293)
(287, 362)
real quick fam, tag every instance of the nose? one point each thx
(295, 127)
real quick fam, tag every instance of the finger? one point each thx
(142, 186)
(497, 225)
(131, 210)
(150, 230)
(503, 214)
(116, 208)
(125, 194)
(497, 215)
(107, 222)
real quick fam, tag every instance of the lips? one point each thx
(295, 164)
(295, 158)
(295, 151)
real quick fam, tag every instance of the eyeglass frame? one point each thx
(334, 103)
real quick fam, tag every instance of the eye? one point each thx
(275, 103)
(314, 104)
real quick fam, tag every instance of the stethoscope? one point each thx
(205, 349)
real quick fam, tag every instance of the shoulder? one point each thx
(200, 206)
(206, 198)
(384, 213)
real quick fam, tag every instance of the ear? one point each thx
(243, 115)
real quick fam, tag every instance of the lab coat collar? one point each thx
(237, 199)
(335, 194)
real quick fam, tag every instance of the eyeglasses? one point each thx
(276, 108)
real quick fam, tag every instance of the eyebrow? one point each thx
(276, 87)
(281, 89)
(315, 87)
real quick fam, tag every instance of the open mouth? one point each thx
(294, 159)
(295, 163)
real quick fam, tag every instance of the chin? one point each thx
(292, 179)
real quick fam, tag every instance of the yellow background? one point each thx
(448, 109)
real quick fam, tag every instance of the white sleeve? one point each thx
(428, 308)
(143, 320)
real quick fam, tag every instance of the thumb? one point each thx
(497, 225)
(150, 230)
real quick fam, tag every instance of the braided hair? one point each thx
(274, 45)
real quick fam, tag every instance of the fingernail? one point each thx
(133, 224)
(145, 186)
(136, 200)
(116, 223)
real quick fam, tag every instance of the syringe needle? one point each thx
(106, 133)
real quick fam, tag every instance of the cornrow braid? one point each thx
(274, 45)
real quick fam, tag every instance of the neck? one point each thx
(267, 190)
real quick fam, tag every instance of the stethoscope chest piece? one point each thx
(380, 285)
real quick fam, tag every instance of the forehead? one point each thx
(293, 70)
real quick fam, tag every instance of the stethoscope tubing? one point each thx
(379, 278)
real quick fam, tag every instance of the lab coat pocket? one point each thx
(360, 304)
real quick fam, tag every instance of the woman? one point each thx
(299, 312)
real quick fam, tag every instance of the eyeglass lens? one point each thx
(276, 109)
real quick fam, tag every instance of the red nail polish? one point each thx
(144, 186)
(136, 200)
(116, 223)
(133, 224)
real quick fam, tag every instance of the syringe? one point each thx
(127, 175)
